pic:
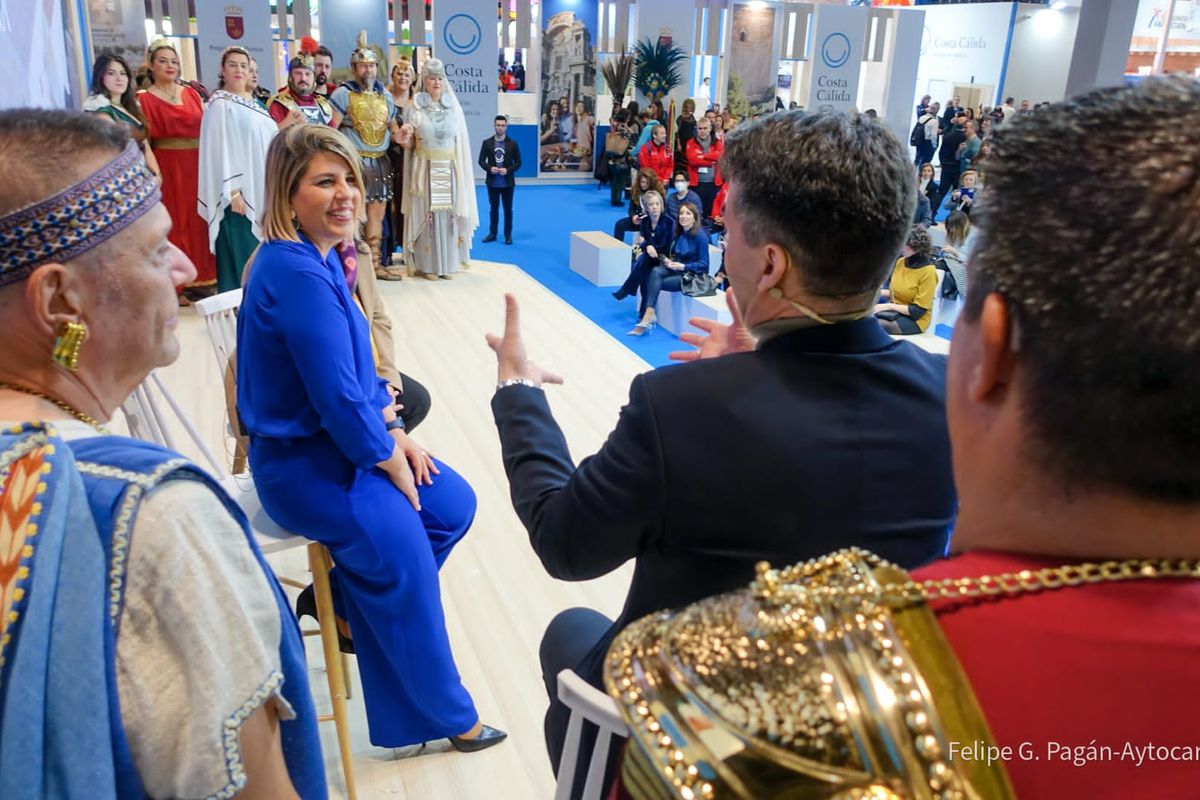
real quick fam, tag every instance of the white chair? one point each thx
(586, 703)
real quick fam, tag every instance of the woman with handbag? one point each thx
(651, 245)
(684, 270)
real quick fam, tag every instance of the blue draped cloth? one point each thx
(60, 725)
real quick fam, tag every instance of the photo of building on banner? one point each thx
(752, 69)
(568, 99)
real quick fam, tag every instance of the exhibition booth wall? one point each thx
(758, 55)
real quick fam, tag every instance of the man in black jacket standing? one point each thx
(801, 429)
(948, 158)
(500, 158)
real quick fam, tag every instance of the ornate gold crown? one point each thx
(808, 684)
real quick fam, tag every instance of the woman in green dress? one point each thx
(114, 96)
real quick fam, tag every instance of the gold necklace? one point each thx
(74, 412)
(173, 97)
(789, 583)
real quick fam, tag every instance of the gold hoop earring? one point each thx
(67, 345)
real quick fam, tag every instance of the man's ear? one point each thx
(998, 349)
(776, 266)
(55, 297)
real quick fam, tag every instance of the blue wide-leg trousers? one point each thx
(387, 557)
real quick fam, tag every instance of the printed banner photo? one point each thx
(752, 71)
(568, 100)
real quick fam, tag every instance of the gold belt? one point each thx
(365, 154)
(174, 143)
(436, 155)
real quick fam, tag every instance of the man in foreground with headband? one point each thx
(146, 648)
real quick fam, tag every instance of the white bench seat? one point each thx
(598, 257)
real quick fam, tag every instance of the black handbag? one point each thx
(697, 284)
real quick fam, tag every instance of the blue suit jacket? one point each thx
(823, 438)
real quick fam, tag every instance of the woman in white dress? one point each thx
(440, 215)
(234, 136)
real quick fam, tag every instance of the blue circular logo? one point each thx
(462, 34)
(835, 50)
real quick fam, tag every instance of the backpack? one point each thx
(917, 137)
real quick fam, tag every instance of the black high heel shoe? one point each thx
(487, 737)
(306, 606)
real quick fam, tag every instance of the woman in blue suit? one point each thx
(689, 253)
(330, 459)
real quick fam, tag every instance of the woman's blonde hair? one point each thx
(646, 195)
(288, 158)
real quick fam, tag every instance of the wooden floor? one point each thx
(497, 597)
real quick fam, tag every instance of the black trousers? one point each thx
(416, 401)
(569, 637)
(707, 193)
(506, 195)
(624, 225)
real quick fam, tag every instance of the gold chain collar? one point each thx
(74, 412)
(786, 585)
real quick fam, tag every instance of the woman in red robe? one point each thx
(173, 113)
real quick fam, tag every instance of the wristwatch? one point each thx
(394, 424)
(516, 382)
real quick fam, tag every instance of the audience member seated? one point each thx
(954, 239)
(963, 198)
(682, 193)
(657, 155)
(923, 215)
(927, 186)
(330, 459)
(653, 243)
(647, 180)
(800, 451)
(703, 154)
(1080, 496)
(689, 253)
(911, 288)
(147, 648)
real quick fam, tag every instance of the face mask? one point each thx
(681, 187)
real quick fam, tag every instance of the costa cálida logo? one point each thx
(235, 23)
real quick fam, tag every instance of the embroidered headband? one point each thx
(79, 217)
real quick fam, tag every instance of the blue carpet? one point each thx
(543, 219)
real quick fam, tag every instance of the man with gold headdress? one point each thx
(145, 647)
(369, 119)
(298, 102)
(1055, 654)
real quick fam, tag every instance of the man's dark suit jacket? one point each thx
(512, 157)
(822, 438)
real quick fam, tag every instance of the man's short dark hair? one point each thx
(500, 117)
(324, 51)
(679, 174)
(1094, 248)
(43, 152)
(834, 189)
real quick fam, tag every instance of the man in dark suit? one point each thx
(500, 158)
(801, 429)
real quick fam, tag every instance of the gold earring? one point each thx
(66, 346)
